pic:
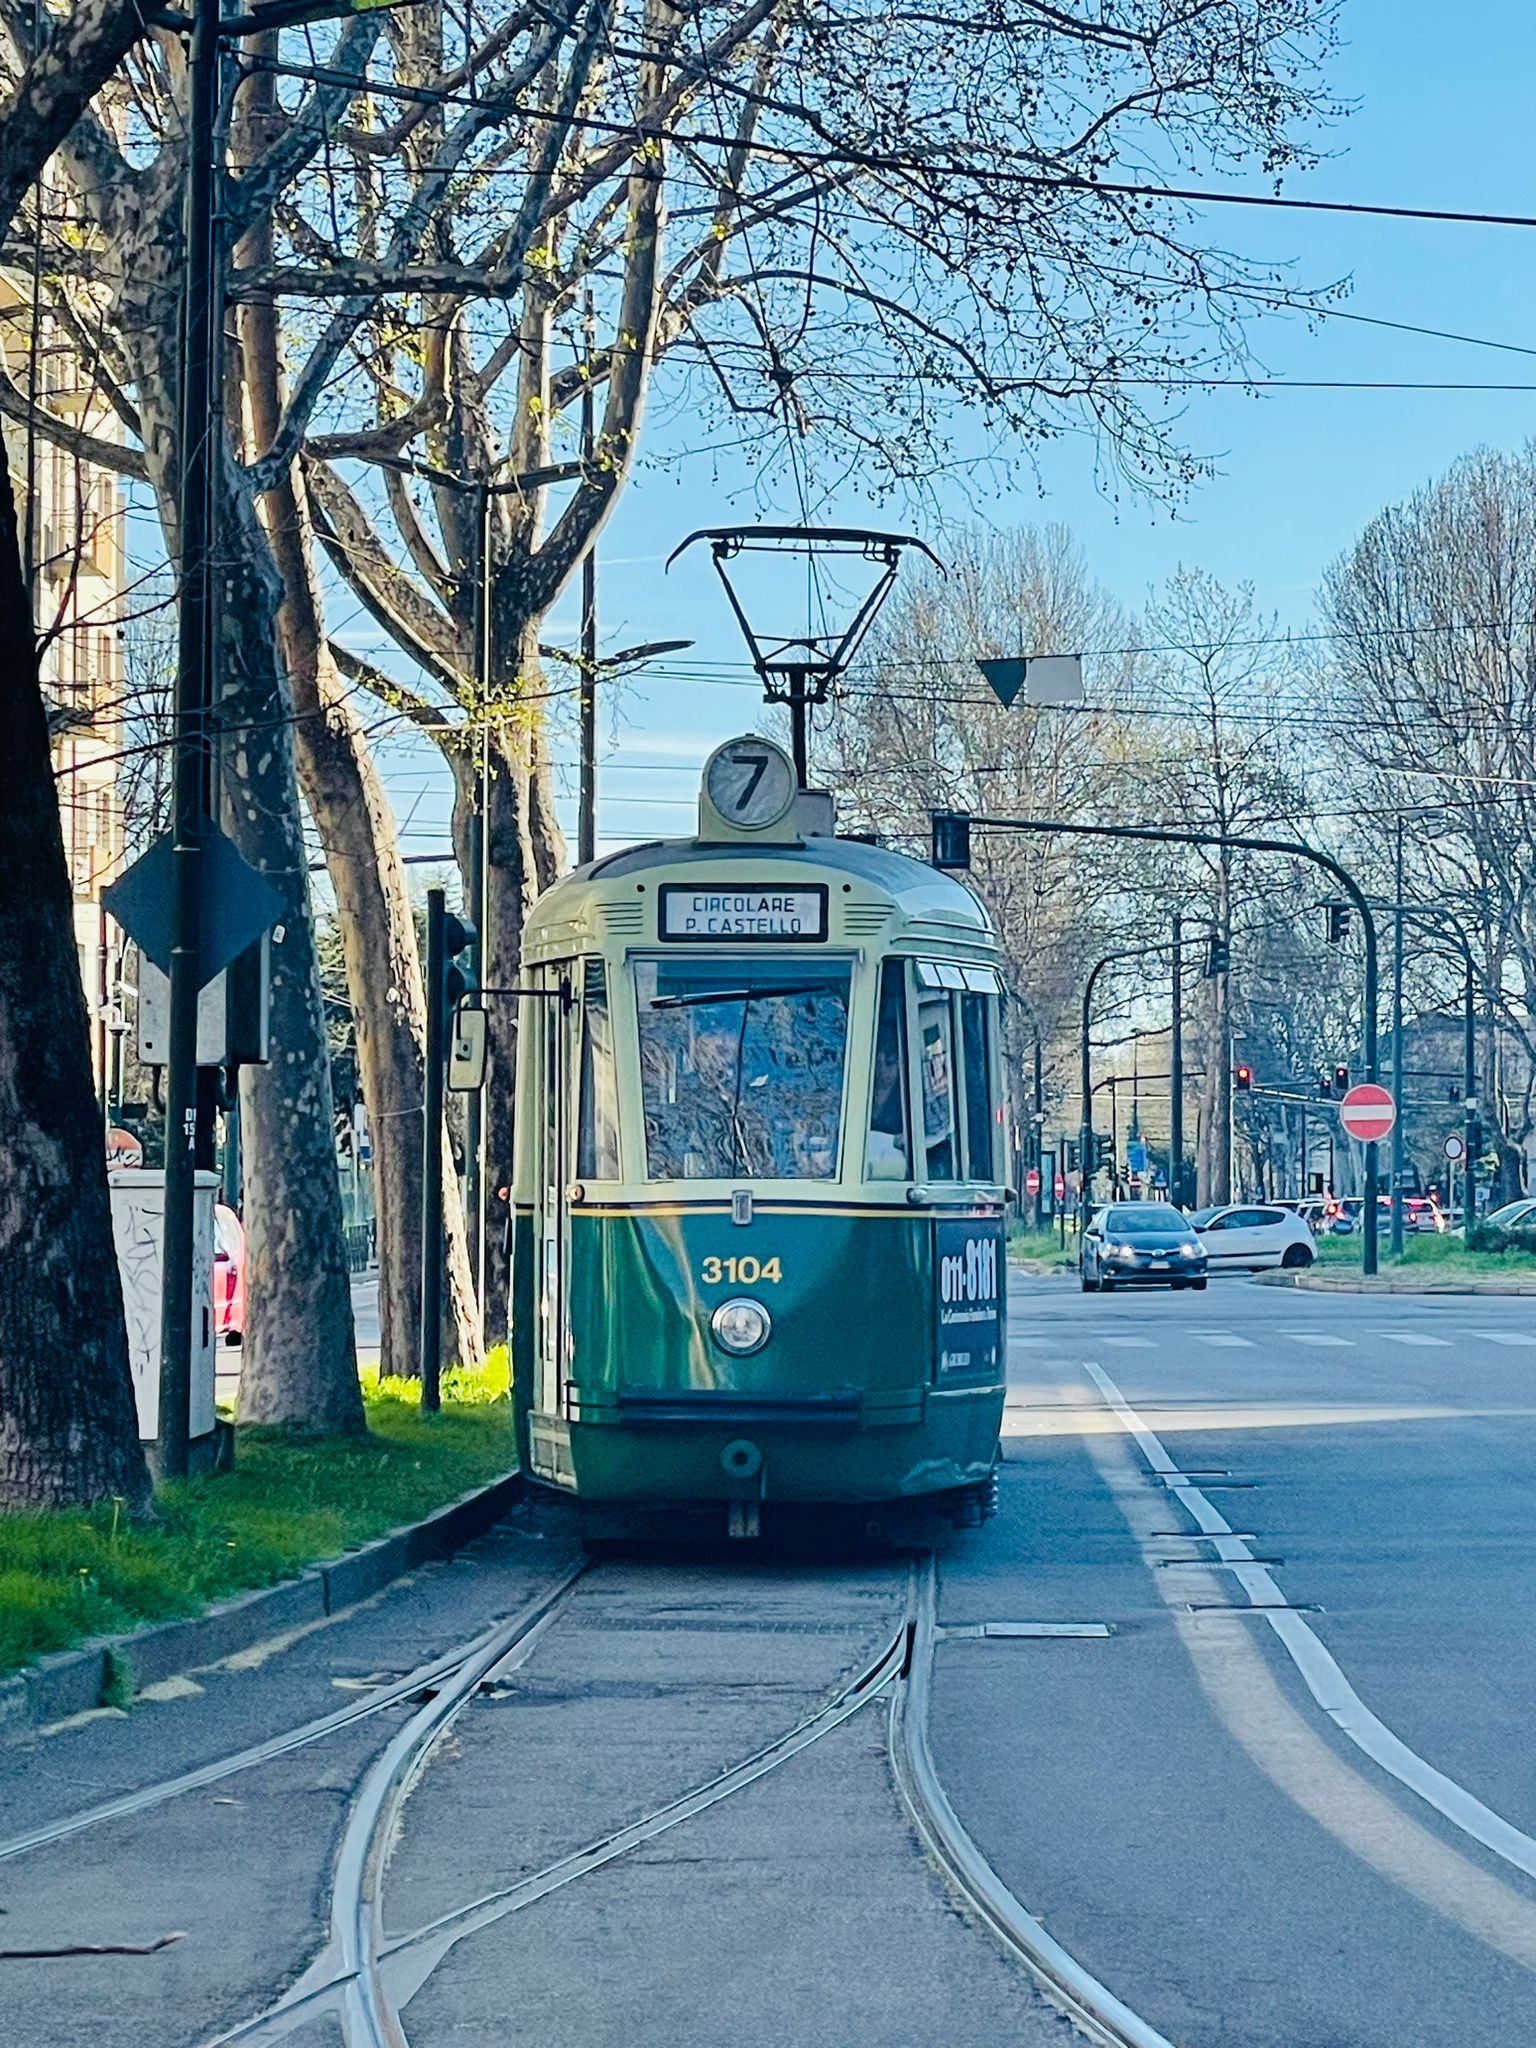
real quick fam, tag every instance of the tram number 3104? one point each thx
(744, 1272)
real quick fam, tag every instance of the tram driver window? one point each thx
(888, 1152)
(936, 1056)
(741, 1067)
(597, 1140)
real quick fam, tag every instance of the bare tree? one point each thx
(1219, 756)
(1434, 610)
(68, 1430)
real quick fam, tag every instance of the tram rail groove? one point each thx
(424, 1676)
(1092, 2006)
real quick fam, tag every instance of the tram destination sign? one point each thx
(710, 914)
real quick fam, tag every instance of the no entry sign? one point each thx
(1368, 1111)
(1032, 1181)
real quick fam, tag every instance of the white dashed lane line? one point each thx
(1317, 1337)
(1224, 1340)
(1411, 1337)
(1503, 1337)
(1128, 1343)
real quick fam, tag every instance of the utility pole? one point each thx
(477, 890)
(201, 438)
(586, 824)
(1176, 1074)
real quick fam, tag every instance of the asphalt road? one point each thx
(1283, 1795)
(1247, 1862)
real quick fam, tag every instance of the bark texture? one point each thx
(68, 1429)
(351, 810)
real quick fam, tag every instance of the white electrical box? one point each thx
(138, 1229)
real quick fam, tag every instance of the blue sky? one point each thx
(1443, 120)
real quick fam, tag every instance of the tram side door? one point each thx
(556, 1027)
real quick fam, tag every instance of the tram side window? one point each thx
(888, 1154)
(597, 1143)
(936, 1036)
(978, 1087)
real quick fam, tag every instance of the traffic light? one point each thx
(1325, 1083)
(1103, 1150)
(1453, 1091)
(1243, 1079)
(1218, 956)
(1338, 923)
(1072, 1151)
(459, 935)
(1341, 1080)
(951, 839)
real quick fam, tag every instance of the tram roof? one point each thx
(930, 907)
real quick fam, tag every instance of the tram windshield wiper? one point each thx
(698, 997)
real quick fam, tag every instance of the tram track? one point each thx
(437, 1672)
(1089, 2004)
(364, 1978)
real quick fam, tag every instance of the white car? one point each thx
(1245, 1236)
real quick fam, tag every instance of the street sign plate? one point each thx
(1455, 1146)
(1368, 1111)
(1041, 678)
(238, 904)
(1032, 1181)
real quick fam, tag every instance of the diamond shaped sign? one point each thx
(238, 904)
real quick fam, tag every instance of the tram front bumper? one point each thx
(691, 1445)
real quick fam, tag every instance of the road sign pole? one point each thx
(431, 1343)
(1176, 1074)
(1397, 1049)
(189, 773)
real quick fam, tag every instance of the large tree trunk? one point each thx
(512, 863)
(352, 813)
(299, 1364)
(68, 1429)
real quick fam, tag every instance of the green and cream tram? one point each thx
(757, 1200)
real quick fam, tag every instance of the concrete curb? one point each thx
(75, 1681)
(1391, 1283)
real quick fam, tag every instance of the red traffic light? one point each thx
(1244, 1077)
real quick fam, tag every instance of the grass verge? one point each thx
(1437, 1257)
(288, 1503)
(1042, 1248)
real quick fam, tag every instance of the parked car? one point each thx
(1313, 1211)
(1245, 1236)
(228, 1275)
(1519, 1215)
(1145, 1244)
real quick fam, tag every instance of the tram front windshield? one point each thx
(742, 1067)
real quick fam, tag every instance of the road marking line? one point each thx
(1411, 1337)
(1223, 1340)
(1323, 1678)
(1316, 1337)
(1502, 1336)
(1128, 1343)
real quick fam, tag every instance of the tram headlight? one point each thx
(741, 1325)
